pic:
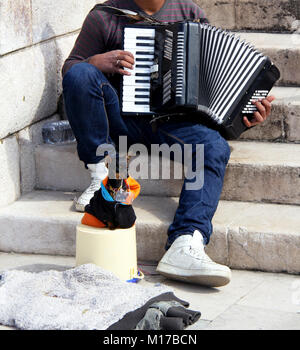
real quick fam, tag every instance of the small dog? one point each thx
(112, 203)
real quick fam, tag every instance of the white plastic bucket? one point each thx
(113, 250)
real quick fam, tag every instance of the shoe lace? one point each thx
(197, 251)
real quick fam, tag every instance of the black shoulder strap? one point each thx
(131, 15)
(135, 16)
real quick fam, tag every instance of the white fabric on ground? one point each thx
(81, 298)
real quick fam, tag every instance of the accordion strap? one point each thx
(131, 15)
(137, 16)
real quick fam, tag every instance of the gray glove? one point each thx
(167, 315)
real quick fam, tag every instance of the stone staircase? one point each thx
(257, 224)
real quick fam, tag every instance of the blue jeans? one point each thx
(92, 107)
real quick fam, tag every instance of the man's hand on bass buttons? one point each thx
(264, 110)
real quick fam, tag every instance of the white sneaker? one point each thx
(98, 172)
(187, 261)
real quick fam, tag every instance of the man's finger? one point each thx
(264, 109)
(271, 98)
(126, 58)
(123, 72)
(267, 106)
(251, 122)
(125, 53)
(125, 64)
(261, 109)
(247, 122)
(258, 117)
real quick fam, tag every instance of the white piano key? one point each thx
(133, 44)
(139, 39)
(133, 98)
(134, 87)
(147, 49)
(146, 31)
(141, 85)
(138, 44)
(131, 107)
(139, 73)
(138, 70)
(134, 32)
(141, 54)
(133, 90)
(133, 80)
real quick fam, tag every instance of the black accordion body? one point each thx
(191, 67)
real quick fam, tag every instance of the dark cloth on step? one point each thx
(172, 312)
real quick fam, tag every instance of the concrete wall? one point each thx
(35, 38)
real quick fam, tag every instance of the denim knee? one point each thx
(217, 151)
(226, 151)
(81, 75)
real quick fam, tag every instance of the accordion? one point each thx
(191, 67)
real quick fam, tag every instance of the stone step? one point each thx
(283, 49)
(257, 171)
(246, 235)
(262, 15)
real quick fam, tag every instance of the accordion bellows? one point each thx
(195, 67)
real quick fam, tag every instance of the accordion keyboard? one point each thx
(136, 87)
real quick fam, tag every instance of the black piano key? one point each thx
(142, 74)
(142, 66)
(144, 38)
(144, 59)
(146, 53)
(144, 44)
(141, 90)
(141, 96)
(142, 103)
(142, 81)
